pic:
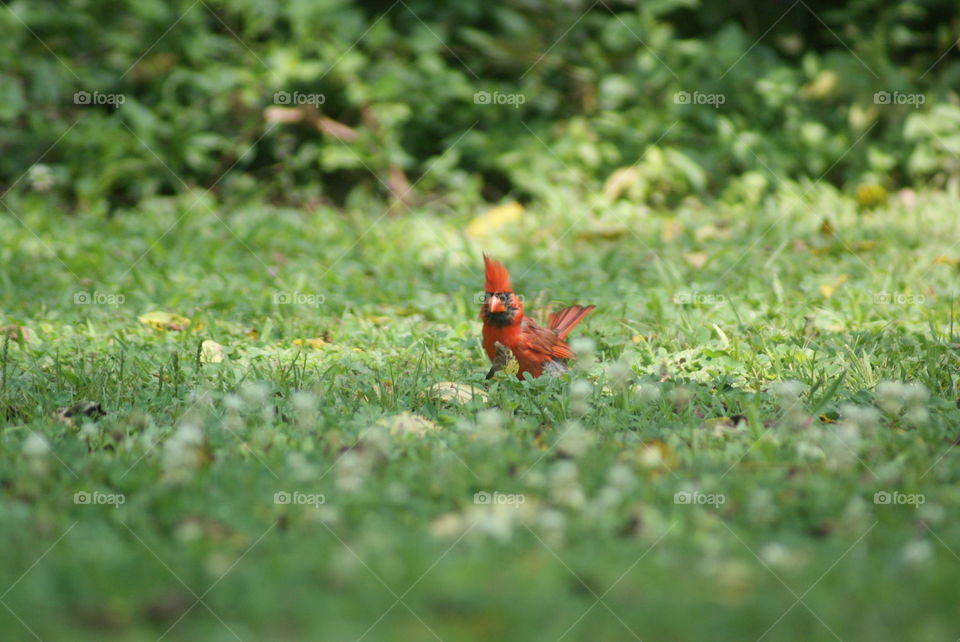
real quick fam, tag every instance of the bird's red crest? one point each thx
(496, 278)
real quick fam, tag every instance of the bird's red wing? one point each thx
(542, 344)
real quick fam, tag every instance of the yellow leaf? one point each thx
(164, 321)
(828, 290)
(494, 219)
(870, 196)
(821, 86)
(946, 260)
(696, 259)
(619, 181)
(459, 392)
(315, 344)
(671, 229)
(211, 352)
(711, 231)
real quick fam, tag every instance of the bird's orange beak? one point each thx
(495, 305)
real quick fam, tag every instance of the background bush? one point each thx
(398, 81)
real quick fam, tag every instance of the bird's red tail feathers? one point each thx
(562, 322)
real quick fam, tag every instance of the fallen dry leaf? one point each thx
(19, 333)
(696, 259)
(211, 352)
(164, 321)
(407, 423)
(455, 391)
(828, 290)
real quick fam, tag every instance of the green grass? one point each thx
(704, 317)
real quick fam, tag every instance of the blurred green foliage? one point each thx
(584, 88)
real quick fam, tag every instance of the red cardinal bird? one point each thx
(536, 349)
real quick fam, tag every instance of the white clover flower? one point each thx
(89, 431)
(232, 402)
(305, 402)
(565, 485)
(609, 496)
(761, 506)
(580, 397)
(787, 392)
(304, 408)
(553, 522)
(647, 392)
(301, 469)
(583, 347)
(916, 552)
(890, 396)
(580, 390)
(496, 520)
(856, 512)
(255, 393)
(860, 416)
(489, 420)
(40, 177)
(36, 445)
(917, 416)
(352, 469)
(564, 471)
(574, 440)
(619, 374)
(915, 394)
(182, 451)
(810, 451)
(777, 555)
(620, 476)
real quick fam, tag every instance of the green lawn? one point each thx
(710, 473)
